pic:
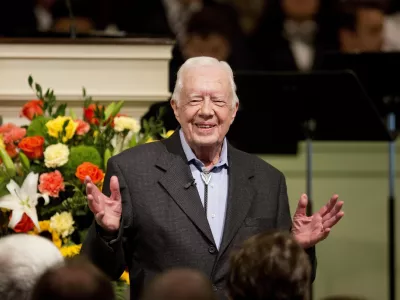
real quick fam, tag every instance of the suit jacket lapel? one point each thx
(177, 182)
(240, 194)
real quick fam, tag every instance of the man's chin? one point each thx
(206, 141)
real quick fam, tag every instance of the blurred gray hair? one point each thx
(23, 259)
(200, 62)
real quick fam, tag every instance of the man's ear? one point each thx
(234, 111)
(174, 106)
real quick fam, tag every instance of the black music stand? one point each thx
(261, 126)
(382, 86)
(322, 106)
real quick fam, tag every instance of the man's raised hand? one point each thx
(107, 210)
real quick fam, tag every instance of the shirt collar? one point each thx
(223, 159)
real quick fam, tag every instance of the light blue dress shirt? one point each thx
(217, 187)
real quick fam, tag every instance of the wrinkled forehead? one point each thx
(206, 79)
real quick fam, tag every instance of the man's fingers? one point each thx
(329, 206)
(87, 180)
(96, 202)
(91, 203)
(333, 221)
(302, 205)
(336, 209)
(114, 188)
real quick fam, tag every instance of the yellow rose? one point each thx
(55, 127)
(62, 223)
(122, 123)
(2, 145)
(56, 155)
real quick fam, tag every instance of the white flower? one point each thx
(62, 224)
(56, 155)
(23, 200)
(125, 123)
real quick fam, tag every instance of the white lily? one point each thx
(23, 200)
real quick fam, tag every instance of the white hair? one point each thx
(23, 259)
(201, 61)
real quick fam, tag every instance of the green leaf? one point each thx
(4, 180)
(39, 90)
(24, 161)
(30, 80)
(109, 110)
(38, 126)
(8, 163)
(133, 141)
(72, 114)
(117, 108)
(60, 110)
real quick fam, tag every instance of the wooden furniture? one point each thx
(133, 70)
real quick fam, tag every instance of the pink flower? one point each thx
(51, 183)
(12, 133)
(83, 127)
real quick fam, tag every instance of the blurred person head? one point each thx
(179, 284)
(209, 33)
(269, 266)
(300, 10)
(82, 11)
(205, 103)
(77, 279)
(23, 259)
(362, 25)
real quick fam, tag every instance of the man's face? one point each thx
(300, 9)
(213, 45)
(205, 110)
(369, 30)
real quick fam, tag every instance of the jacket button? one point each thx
(214, 288)
(212, 249)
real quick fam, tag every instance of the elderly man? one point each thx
(187, 201)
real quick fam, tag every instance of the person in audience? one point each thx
(77, 279)
(23, 259)
(293, 35)
(392, 27)
(212, 32)
(83, 13)
(179, 284)
(188, 200)
(362, 26)
(269, 266)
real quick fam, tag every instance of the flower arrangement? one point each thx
(43, 165)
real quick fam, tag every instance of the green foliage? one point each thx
(4, 180)
(76, 205)
(121, 290)
(38, 126)
(78, 155)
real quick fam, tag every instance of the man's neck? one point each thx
(209, 156)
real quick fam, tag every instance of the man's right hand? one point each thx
(107, 210)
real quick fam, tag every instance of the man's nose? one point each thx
(206, 107)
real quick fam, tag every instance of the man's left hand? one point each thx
(309, 230)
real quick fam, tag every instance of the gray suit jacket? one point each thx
(163, 221)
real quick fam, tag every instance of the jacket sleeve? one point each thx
(284, 221)
(107, 252)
